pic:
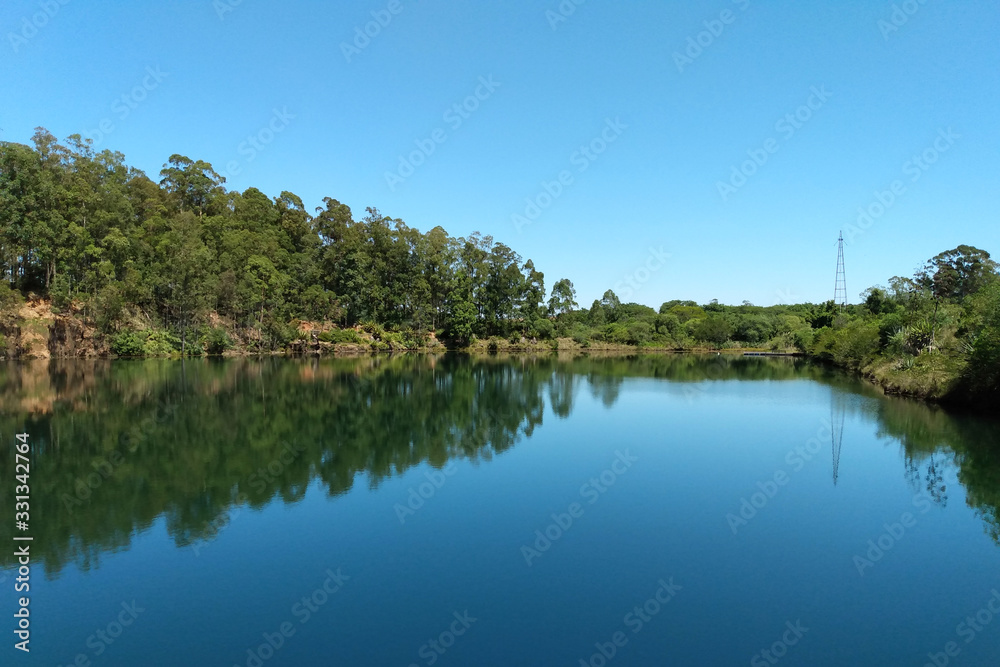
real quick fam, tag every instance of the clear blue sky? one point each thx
(886, 96)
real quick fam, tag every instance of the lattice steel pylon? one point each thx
(840, 289)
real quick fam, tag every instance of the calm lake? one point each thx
(652, 510)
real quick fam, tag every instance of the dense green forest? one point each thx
(138, 256)
(185, 266)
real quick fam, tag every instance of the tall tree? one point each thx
(563, 298)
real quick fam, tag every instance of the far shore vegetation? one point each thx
(100, 260)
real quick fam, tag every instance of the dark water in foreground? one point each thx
(418, 511)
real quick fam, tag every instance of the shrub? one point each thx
(856, 344)
(803, 339)
(542, 328)
(581, 335)
(639, 332)
(10, 299)
(161, 343)
(887, 328)
(713, 329)
(374, 328)
(276, 334)
(217, 341)
(342, 336)
(128, 344)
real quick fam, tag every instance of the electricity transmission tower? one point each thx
(838, 413)
(840, 290)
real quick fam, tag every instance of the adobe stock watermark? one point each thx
(424, 491)
(786, 126)
(779, 649)
(635, 620)
(796, 460)
(84, 487)
(31, 25)
(260, 480)
(633, 282)
(591, 491)
(914, 168)
(257, 143)
(455, 116)
(968, 630)
(363, 35)
(697, 43)
(104, 637)
(879, 546)
(582, 159)
(435, 648)
(303, 610)
(562, 13)
(123, 105)
(223, 7)
(716, 370)
(899, 17)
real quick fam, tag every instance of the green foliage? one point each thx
(342, 336)
(543, 328)
(160, 343)
(216, 341)
(128, 344)
(958, 273)
(714, 329)
(10, 299)
(639, 333)
(856, 344)
(685, 313)
(581, 334)
(982, 374)
(109, 308)
(59, 293)
(83, 227)
(563, 297)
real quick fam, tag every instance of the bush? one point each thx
(857, 343)
(161, 343)
(887, 328)
(781, 342)
(580, 335)
(217, 341)
(822, 343)
(10, 299)
(803, 339)
(128, 344)
(615, 333)
(342, 336)
(639, 332)
(714, 329)
(374, 328)
(398, 340)
(542, 328)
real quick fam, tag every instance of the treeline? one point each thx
(175, 256)
(934, 335)
(185, 266)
